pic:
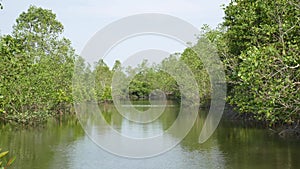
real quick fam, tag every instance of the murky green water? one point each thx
(64, 145)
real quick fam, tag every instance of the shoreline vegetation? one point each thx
(248, 120)
(258, 44)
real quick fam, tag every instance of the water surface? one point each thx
(62, 144)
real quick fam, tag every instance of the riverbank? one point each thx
(249, 120)
(230, 114)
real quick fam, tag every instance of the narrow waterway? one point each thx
(64, 145)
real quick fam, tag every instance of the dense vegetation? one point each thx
(263, 58)
(136, 82)
(258, 43)
(36, 68)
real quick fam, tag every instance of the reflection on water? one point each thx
(37, 148)
(140, 130)
(132, 138)
(65, 146)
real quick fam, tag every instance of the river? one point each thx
(63, 144)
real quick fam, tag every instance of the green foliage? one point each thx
(36, 68)
(142, 82)
(4, 162)
(103, 77)
(194, 62)
(263, 42)
(268, 85)
(83, 85)
(144, 79)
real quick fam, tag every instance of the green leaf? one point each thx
(10, 161)
(3, 154)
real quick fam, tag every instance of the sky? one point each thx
(83, 18)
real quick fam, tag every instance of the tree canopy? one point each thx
(263, 40)
(37, 66)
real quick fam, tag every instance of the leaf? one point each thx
(3, 154)
(10, 161)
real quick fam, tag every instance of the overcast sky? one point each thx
(83, 18)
